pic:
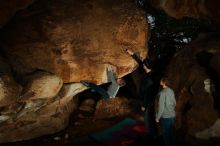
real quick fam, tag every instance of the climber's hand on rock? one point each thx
(130, 52)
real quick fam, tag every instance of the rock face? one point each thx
(191, 8)
(76, 39)
(213, 131)
(9, 89)
(113, 107)
(42, 85)
(8, 9)
(88, 105)
(39, 117)
(190, 78)
(54, 43)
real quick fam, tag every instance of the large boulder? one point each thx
(76, 40)
(192, 8)
(190, 74)
(40, 116)
(54, 43)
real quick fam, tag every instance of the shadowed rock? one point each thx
(192, 8)
(189, 76)
(112, 108)
(10, 7)
(10, 90)
(213, 131)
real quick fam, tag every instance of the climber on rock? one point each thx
(112, 89)
(146, 92)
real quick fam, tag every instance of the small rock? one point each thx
(87, 109)
(4, 118)
(88, 105)
(89, 102)
(57, 138)
(66, 136)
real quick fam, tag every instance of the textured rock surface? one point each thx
(191, 8)
(71, 41)
(9, 89)
(41, 86)
(8, 9)
(213, 131)
(195, 108)
(39, 117)
(76, 39)
(113, 107)
(88, 105)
